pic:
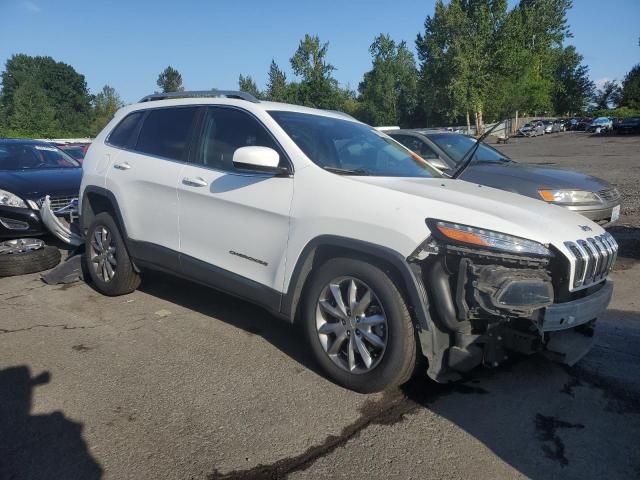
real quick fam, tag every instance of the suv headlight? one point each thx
(8, 199)
(478, 237)
(567, 197)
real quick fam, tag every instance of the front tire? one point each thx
(107, 259)
(358, 326)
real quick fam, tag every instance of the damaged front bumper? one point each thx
(483, 305)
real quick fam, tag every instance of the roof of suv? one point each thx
(232, 100)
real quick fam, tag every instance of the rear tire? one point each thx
(380, 367)
(107, 260)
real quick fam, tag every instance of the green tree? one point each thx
(32, 113)
(631, 89)
(607, 96)
(388, 90)
(457, 52)
(64, 89)
(572, 87)
(277, 89)
(170, 80)
(105, 105)
(246, 84)
(317, 87)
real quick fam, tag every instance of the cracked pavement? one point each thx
(179, 381)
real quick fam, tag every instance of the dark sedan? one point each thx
(592, 197)
(629, 125)
(29, 171)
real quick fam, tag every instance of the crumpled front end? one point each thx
(485, 304)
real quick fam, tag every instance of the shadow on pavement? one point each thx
(232, 311)
(628, 239)
(38, 446)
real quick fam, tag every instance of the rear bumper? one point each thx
(562, 316)
(19, 222)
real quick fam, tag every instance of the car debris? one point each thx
(55, 223)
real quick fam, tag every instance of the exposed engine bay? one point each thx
(485, 304)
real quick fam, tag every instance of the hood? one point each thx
(484, 207)
(527, 179)
(35, 184)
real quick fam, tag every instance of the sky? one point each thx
(126, 44)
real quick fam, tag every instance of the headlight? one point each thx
(8, 199)
(478, 237)
(567, 197)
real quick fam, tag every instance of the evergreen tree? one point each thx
(170, 80)
(246, 84)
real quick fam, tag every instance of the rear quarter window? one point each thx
(123, 134)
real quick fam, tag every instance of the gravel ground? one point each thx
(178, 381)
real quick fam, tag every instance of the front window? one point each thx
(33, 156)
(351, 148)
(456, 146)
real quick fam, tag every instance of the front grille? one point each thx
(57, 202)
(610, 195)
(593, 258)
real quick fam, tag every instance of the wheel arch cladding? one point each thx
(98, 200)
(325, 247)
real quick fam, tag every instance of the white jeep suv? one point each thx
(325, 221)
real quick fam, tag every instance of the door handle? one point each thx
(195, 182)
(122, 166)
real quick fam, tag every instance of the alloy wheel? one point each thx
(103, 254)
(351, 325)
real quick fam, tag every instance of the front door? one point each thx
(234, 224)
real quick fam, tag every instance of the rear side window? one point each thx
(224, 130)
(122, 135)
(165, 132)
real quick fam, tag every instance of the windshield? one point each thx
(456, 146)
(32, 156)
(350, 148)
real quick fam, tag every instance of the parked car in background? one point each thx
(572, 124)
(29, 171)
(629, 125)
(548, 126)
(75, 150)
(558, 126)
(590, 196)
(600, 124)
(583, 123)
(532, 129)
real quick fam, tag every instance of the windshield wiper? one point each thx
(468, 157)
(346, 171)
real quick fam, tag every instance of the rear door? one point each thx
(144, 175)
(233, 222)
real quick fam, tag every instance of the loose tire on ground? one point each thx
(29, 262)
(399, 358)
(125, 279)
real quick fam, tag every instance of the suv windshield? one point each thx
(456, 146)
(350, 148)
(32, 156)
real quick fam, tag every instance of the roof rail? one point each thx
(200, 94)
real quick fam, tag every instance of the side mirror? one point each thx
(438, 163)
(258, 159)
